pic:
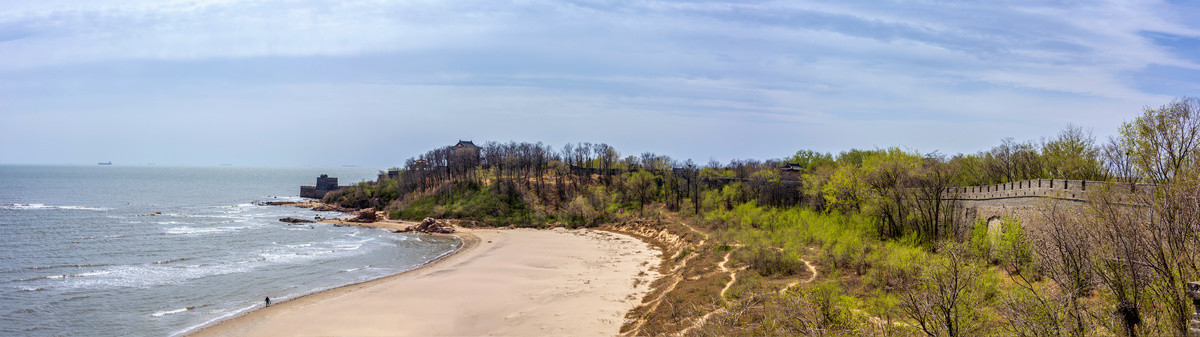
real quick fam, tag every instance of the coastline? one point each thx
(465, 238)
(498, 281)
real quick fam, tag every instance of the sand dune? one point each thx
(518, 282)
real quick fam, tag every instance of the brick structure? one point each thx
(1027, 200)
(325, 184)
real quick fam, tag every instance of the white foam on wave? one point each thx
(164, 272)
(188, 230)
(168, 312)
(144, 275)
(87, 274)
(314, 251)
(225, 316)
(44, 206)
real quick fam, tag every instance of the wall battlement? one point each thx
(325, 184)
(1028, 200)
(1076, 190)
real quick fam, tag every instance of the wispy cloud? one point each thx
(798, 67)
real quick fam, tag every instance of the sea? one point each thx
(162, 251)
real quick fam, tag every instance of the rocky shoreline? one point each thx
(368, 217)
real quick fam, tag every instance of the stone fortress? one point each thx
(325, 184)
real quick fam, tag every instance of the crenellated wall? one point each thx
(325, 184)
(1027, 200)
(1040, 188)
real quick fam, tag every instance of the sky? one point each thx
(374, 82)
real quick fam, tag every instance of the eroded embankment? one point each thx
(698, 272)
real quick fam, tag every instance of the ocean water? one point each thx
(81, 254)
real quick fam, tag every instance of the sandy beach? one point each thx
(512, 282)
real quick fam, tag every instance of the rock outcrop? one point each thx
(295, 220)
(332, 208)
(366, 215)
(431, 225)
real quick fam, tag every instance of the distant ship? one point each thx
(105, 163)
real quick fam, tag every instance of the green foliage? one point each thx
(981, 240)
(364, 195)
(766, 175)
(947, 299)
(810, 159)
(895, 267)
(831, 303)
(1013, 247)
(640, 186)
(1161, 142)
(471, 201)
(844, 191)
(581, 212)
(1073, 155)
(770, 262)
(855, 157)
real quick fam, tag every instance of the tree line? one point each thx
(1140, 257)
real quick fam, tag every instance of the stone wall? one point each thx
(1026, 200)
(1051, 188)
(325, 184)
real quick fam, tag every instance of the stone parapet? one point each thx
(1045, 188)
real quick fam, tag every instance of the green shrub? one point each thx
(981, 243)
(1013, 246)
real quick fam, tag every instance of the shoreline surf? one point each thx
(464, 242)
(499, 281)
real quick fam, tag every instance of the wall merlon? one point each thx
(1042, 188)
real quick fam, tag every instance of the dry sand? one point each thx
(518, 282)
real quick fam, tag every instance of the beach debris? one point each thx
(294, 220)
(431, 225)
(366, 215)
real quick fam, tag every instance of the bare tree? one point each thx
(941, 303)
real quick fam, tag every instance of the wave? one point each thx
(140, 276)
(44, 206)
(187, 230)
(225, 316)
(63, 276)
(168, 312)
(68, 266)
(169, 271)
(170, 261)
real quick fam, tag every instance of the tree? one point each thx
(845, 190)
(640, 184)
(941, 303)
(1162, 141)
(1012, 161)
(1072, 155)
(810, 159)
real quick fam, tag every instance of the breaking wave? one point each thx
(44, 206)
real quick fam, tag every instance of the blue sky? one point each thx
(372, 82)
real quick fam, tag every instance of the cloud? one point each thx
(874, 73)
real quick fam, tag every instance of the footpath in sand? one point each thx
(518, 282)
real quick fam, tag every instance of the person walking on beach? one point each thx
(268, 301)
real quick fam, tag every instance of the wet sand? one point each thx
(512, 282)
